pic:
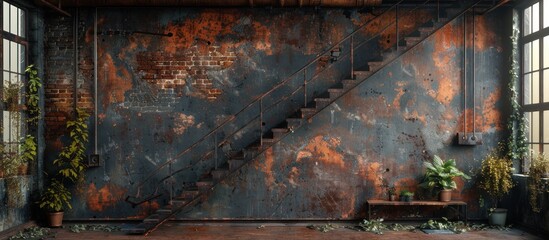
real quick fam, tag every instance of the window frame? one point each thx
(22, 40)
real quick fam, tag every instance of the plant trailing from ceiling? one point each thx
(71, 158)
(33, 85)
(496, 175)
(517, 148)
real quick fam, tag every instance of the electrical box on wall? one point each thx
(94, 161)
(469, 138)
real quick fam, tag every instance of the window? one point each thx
(14, 52)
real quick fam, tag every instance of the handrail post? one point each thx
(261, 122)
(396, 26)
(352, 57)
(215, 142)
(171, 180)
(305, 87)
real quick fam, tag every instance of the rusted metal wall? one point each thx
(158, 95)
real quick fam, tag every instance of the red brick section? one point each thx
(172, 71)
(59, 82)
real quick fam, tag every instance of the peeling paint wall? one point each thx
(159, 95)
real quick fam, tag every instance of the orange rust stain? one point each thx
(292, 178)
(145, 210)
(182, 123)
(490, 113)
(99, 199)
(324, 151)
(399, 93)
(267, 167)
(117, 83)
(485, 35)
(448, 72)
(409, 184)
(372, 170)
(415, 115)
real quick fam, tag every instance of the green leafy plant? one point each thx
(28, 149)
(55, 197)
(375, 226)
(391, 190)
(10, 95)
(456, 227)
(496, 175)
(32, 102)
(71, 158)
(324, 228)
(440, 174)
(76, 228)
(32, 233)
(406, 193)
(538, 169)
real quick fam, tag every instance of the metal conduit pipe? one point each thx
(220, 3)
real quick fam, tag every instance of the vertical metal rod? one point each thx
(75, 37)
(305, 87)
(261, 122)
(473, 63)
(95, 81)
(215, 141)
(464, 75)
(438, 10)
(396, 25)
(352, 57)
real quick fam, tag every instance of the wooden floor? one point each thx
(174, 230)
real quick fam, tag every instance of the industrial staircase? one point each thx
(193, 194)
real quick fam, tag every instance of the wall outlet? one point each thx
(469, 138)
(94, 160)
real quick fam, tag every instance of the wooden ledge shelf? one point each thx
(459, 206)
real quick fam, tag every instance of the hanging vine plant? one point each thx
(34, 84)
(517, 147)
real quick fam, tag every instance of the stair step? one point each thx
(294, 123)
(178, 202)
(335, 92)
(375, 65)
(323, 102)
(165, 210)
(361, 74)
(279, 132)
(307, 112)
(220, 173)
(205, 184)
(235, 163)
(426, 29)
(189, 193)
(268, 141)
(410, 41)
(347, 84)
(152, 218)
(136, 229)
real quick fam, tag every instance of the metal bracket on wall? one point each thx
(470, 139)
(94, 160)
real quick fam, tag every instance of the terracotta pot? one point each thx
(55, 219)
(445, 195)
(1, 173)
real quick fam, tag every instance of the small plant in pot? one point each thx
(391, 192)
(440, 176)
(496, 181)
(406, 196)
(55, 198)
(539, 168)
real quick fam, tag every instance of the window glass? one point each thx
(535, 55)
(546, 48)
(546, 127)
(527, 57)
(534, 127)
(535, 87)
(6, 16)
(527, 18)
(535, 18)
(546, 87)
(527, 81)
(545, 12)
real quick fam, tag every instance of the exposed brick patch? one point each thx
(59, 80)
(171, 71)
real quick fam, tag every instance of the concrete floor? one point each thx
(298, 231)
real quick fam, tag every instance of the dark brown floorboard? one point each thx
(174, 230)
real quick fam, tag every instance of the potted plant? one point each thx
(10, 96)
(440, 177)
(53, 200)
(539, 168)
(406, 196)
(391, 191)
(496, 181)
(70, 169)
